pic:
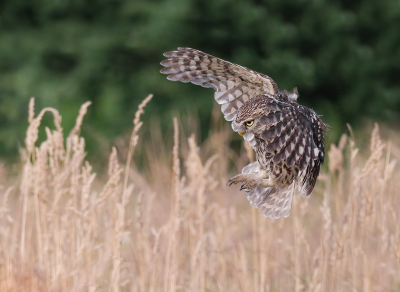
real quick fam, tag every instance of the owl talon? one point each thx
(232, 181)
(248, 186)
(235, 180)
(248, 181)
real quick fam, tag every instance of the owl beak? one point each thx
(241, 134)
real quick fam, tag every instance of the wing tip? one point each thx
(164, 70)
(165, 63)
(172, 77)
(169, 54)
(178, 53)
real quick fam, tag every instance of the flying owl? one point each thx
(286, 137)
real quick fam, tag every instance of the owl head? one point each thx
(247, 122)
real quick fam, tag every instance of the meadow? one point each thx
(173, 225)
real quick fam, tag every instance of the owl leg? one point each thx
(251, 180)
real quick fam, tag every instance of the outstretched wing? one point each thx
(233, 84)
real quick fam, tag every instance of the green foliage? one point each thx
(342, 55)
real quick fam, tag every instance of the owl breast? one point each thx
(279, 172)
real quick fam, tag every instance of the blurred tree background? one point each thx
(344, 56)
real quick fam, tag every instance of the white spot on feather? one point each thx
(248, 136)
(230, 84)
(231, 97)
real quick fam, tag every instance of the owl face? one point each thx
(249, 125)
(247, 122)
(248, 118)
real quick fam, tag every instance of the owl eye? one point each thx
(250, 123)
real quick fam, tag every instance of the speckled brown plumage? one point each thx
(287, 137)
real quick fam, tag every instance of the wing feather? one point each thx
(292, 136)
(234, 84)
(289, 146)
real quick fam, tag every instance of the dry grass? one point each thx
(179, 228)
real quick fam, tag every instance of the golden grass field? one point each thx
(175, 226)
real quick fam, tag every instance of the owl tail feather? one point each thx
(273, 202)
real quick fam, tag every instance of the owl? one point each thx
(288, 138)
